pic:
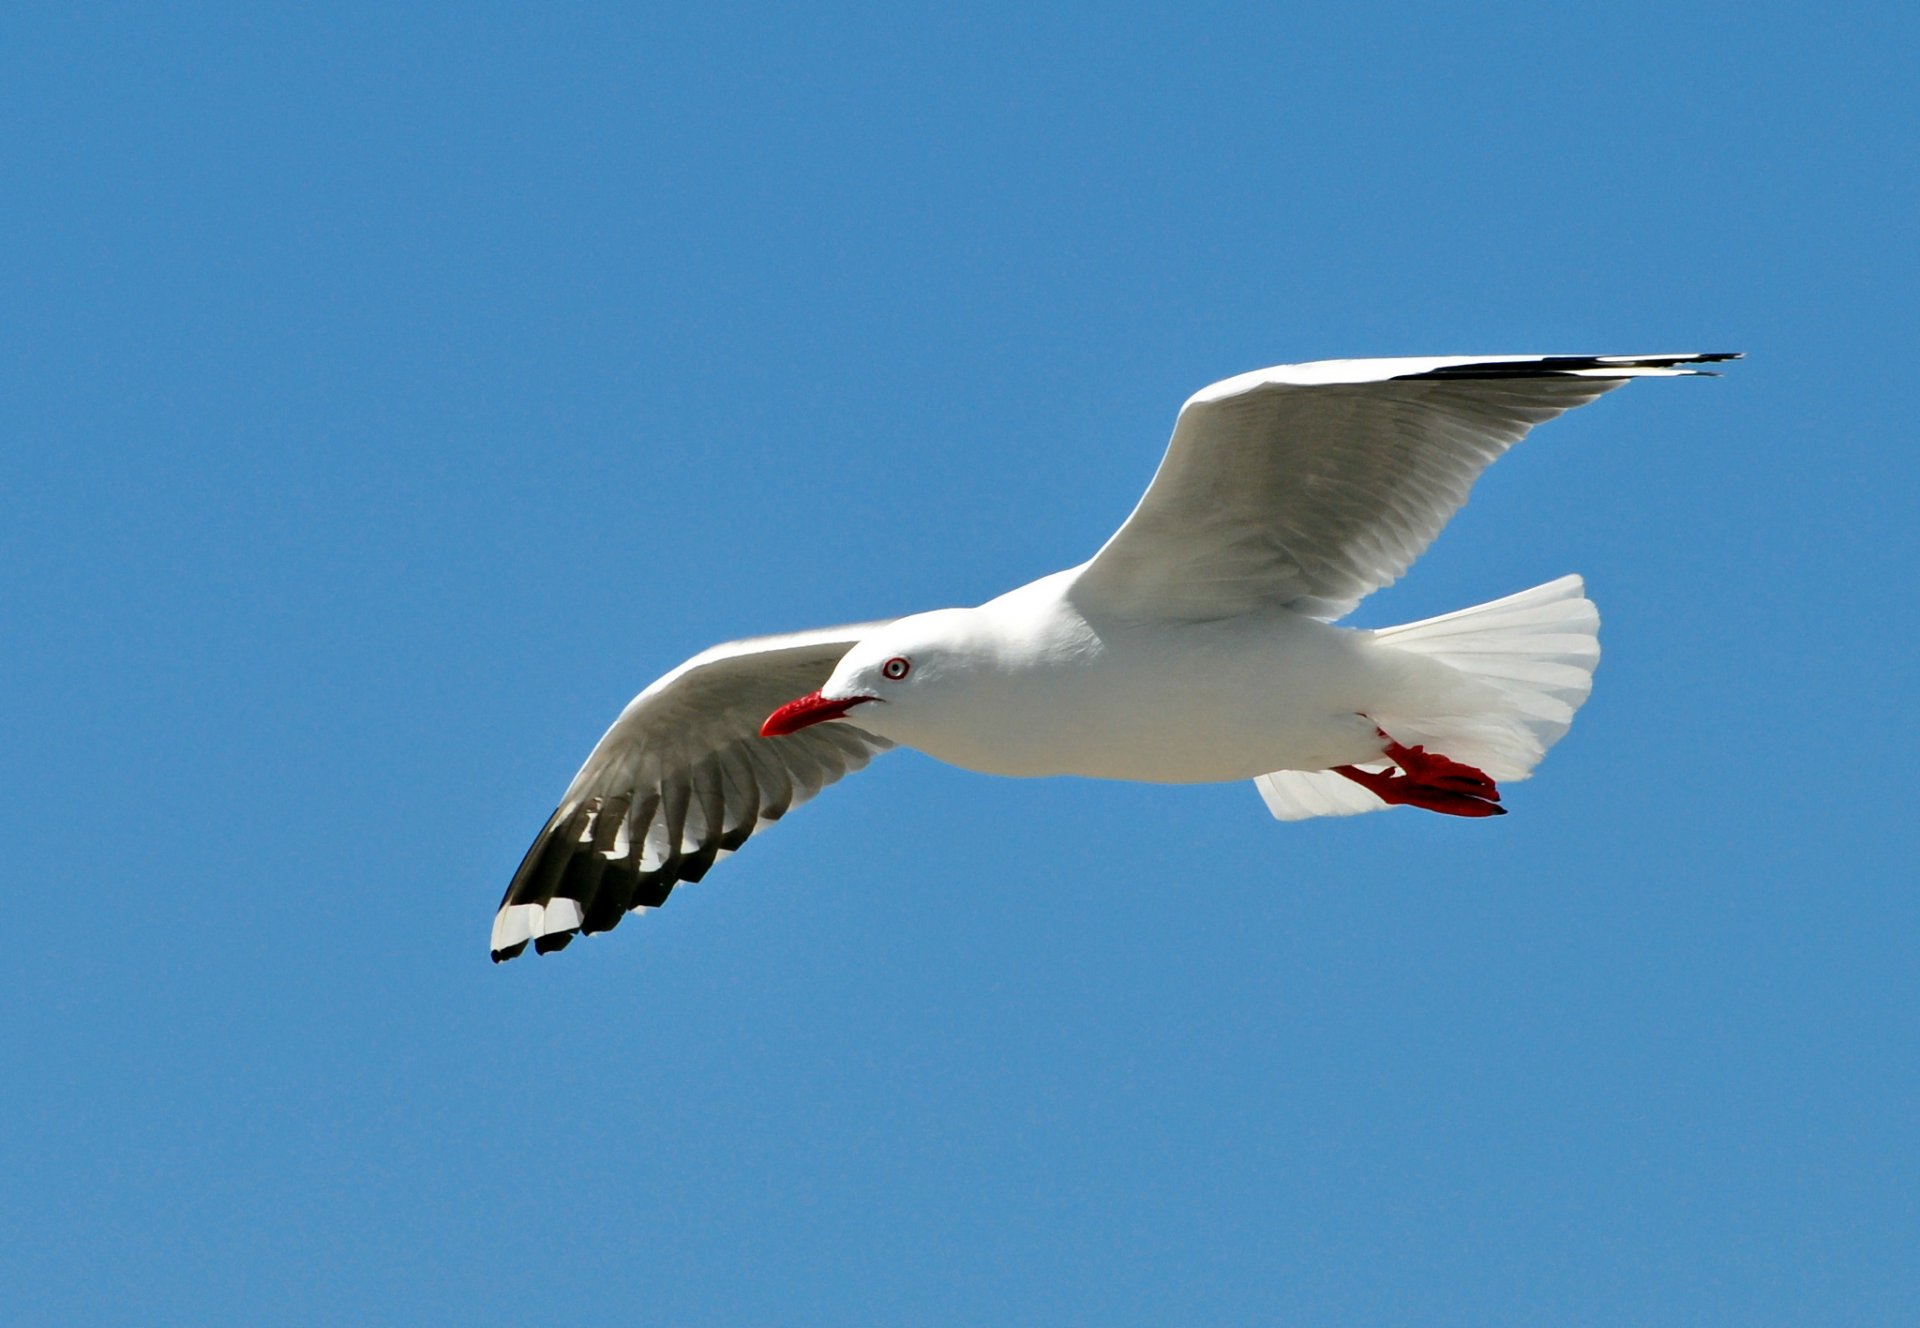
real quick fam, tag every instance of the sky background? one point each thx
(388, 396)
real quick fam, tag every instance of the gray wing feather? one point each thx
(680, 780)
(1309, 486)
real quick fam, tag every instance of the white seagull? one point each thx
(1196, 646)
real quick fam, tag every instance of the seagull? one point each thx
(1197, 646)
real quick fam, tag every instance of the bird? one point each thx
(1198, 645)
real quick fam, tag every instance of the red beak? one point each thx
(806, 710)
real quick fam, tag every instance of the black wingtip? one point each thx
(553, 941)
(1557, 366)
(1715, 357)
(501, 956)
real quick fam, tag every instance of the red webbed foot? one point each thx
(1429, 780)
(1433, 770)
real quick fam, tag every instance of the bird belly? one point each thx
(1192, 703)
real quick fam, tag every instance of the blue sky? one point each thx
(389, 396)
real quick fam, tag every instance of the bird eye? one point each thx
(895, 669)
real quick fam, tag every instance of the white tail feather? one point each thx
(1521, 667)
(1298, 795)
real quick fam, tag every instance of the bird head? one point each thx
(890, 677)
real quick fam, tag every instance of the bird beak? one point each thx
(812, 708)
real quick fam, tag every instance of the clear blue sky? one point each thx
(387, 397)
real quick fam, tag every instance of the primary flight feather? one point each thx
(1197, 645)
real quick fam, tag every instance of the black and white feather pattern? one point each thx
(1301, 487)
(680, 780)
(1309, 486)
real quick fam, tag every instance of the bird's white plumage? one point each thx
(1309, 486)
(1194, 645)
(1301, 795)
(1532, 657)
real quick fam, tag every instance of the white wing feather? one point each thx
(1308, 486)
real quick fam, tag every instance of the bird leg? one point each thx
(1429, 780)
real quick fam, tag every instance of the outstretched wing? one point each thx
(680, 780)
(1308, 486)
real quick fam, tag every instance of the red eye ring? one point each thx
(896, 668)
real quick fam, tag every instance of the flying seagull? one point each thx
(1196, 646)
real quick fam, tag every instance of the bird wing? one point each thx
(1309, 486)
(680, 780)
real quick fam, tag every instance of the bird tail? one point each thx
(1518, 668)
